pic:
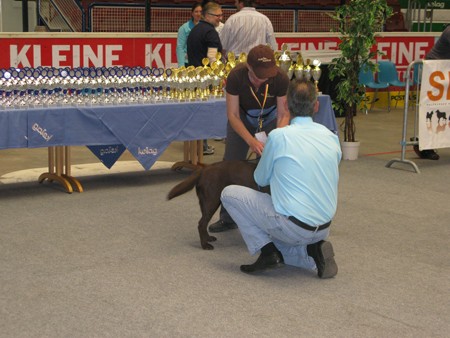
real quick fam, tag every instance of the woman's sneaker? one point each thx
(208, 151)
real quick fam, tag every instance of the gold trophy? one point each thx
(231, 63)
(218, 58)
(217, 75)
(228, 69)
(242, 58)
(205, 62)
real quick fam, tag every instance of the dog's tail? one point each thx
(185, 185)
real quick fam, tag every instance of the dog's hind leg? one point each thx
(208, 211)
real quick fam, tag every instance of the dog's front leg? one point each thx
(205, 237)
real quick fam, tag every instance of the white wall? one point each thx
(11, 15)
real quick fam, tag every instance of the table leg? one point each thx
(193, 156)
(59, 169)
(67, 171)
(199, 152)
(55, 169)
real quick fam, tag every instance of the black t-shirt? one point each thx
(202, 37)
(238, 83)
(441, 50)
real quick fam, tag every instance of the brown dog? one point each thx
(209, 183)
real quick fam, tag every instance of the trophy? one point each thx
(316, 73)
(217, 74)
(205, 62)
(231, 59)
(242, 58)
(307, 70)
(298, 71)
(285, 60)
(228, 69)
(218, 58)
(231, 63)
(191, 85)
(204, 84)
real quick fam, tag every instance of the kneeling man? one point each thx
(300, 162)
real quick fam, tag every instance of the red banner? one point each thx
(83, 50)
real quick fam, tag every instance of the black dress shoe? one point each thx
(428, 154)
(264, 262)
(323, 254)
(221, 226)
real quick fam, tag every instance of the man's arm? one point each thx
(238, 125)
(264, 170)
(283, 115)
(270, 36)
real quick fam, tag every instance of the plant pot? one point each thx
(350, 150)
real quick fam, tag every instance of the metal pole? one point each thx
(25, 15)
(147, 15)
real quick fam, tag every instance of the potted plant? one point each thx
(358, 23)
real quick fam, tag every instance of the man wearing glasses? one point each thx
(204, 41)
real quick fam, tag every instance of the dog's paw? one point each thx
(207, 246)
(211, 238)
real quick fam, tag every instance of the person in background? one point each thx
(300, 162)
(440, 51)
(204, 42)
(246, 29)
(183, 33)
(256, 104)
(220, 26)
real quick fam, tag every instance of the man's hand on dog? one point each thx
(256, 146)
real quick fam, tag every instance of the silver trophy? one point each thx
(285, 60)
(316, 73)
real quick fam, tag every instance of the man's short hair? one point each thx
(247, 3)
(301, 97)
(210, 6)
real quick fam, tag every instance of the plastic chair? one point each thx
(387, 72)
(367, 79)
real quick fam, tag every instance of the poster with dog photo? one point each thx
(434, 105)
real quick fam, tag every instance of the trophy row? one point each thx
(48, 86)
(294, 65)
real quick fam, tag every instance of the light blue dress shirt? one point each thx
(301, 164)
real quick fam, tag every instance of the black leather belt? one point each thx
(308, 227)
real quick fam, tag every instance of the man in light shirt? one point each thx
(246, 29)
(300, 162)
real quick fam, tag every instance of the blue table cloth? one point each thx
(146, 130)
